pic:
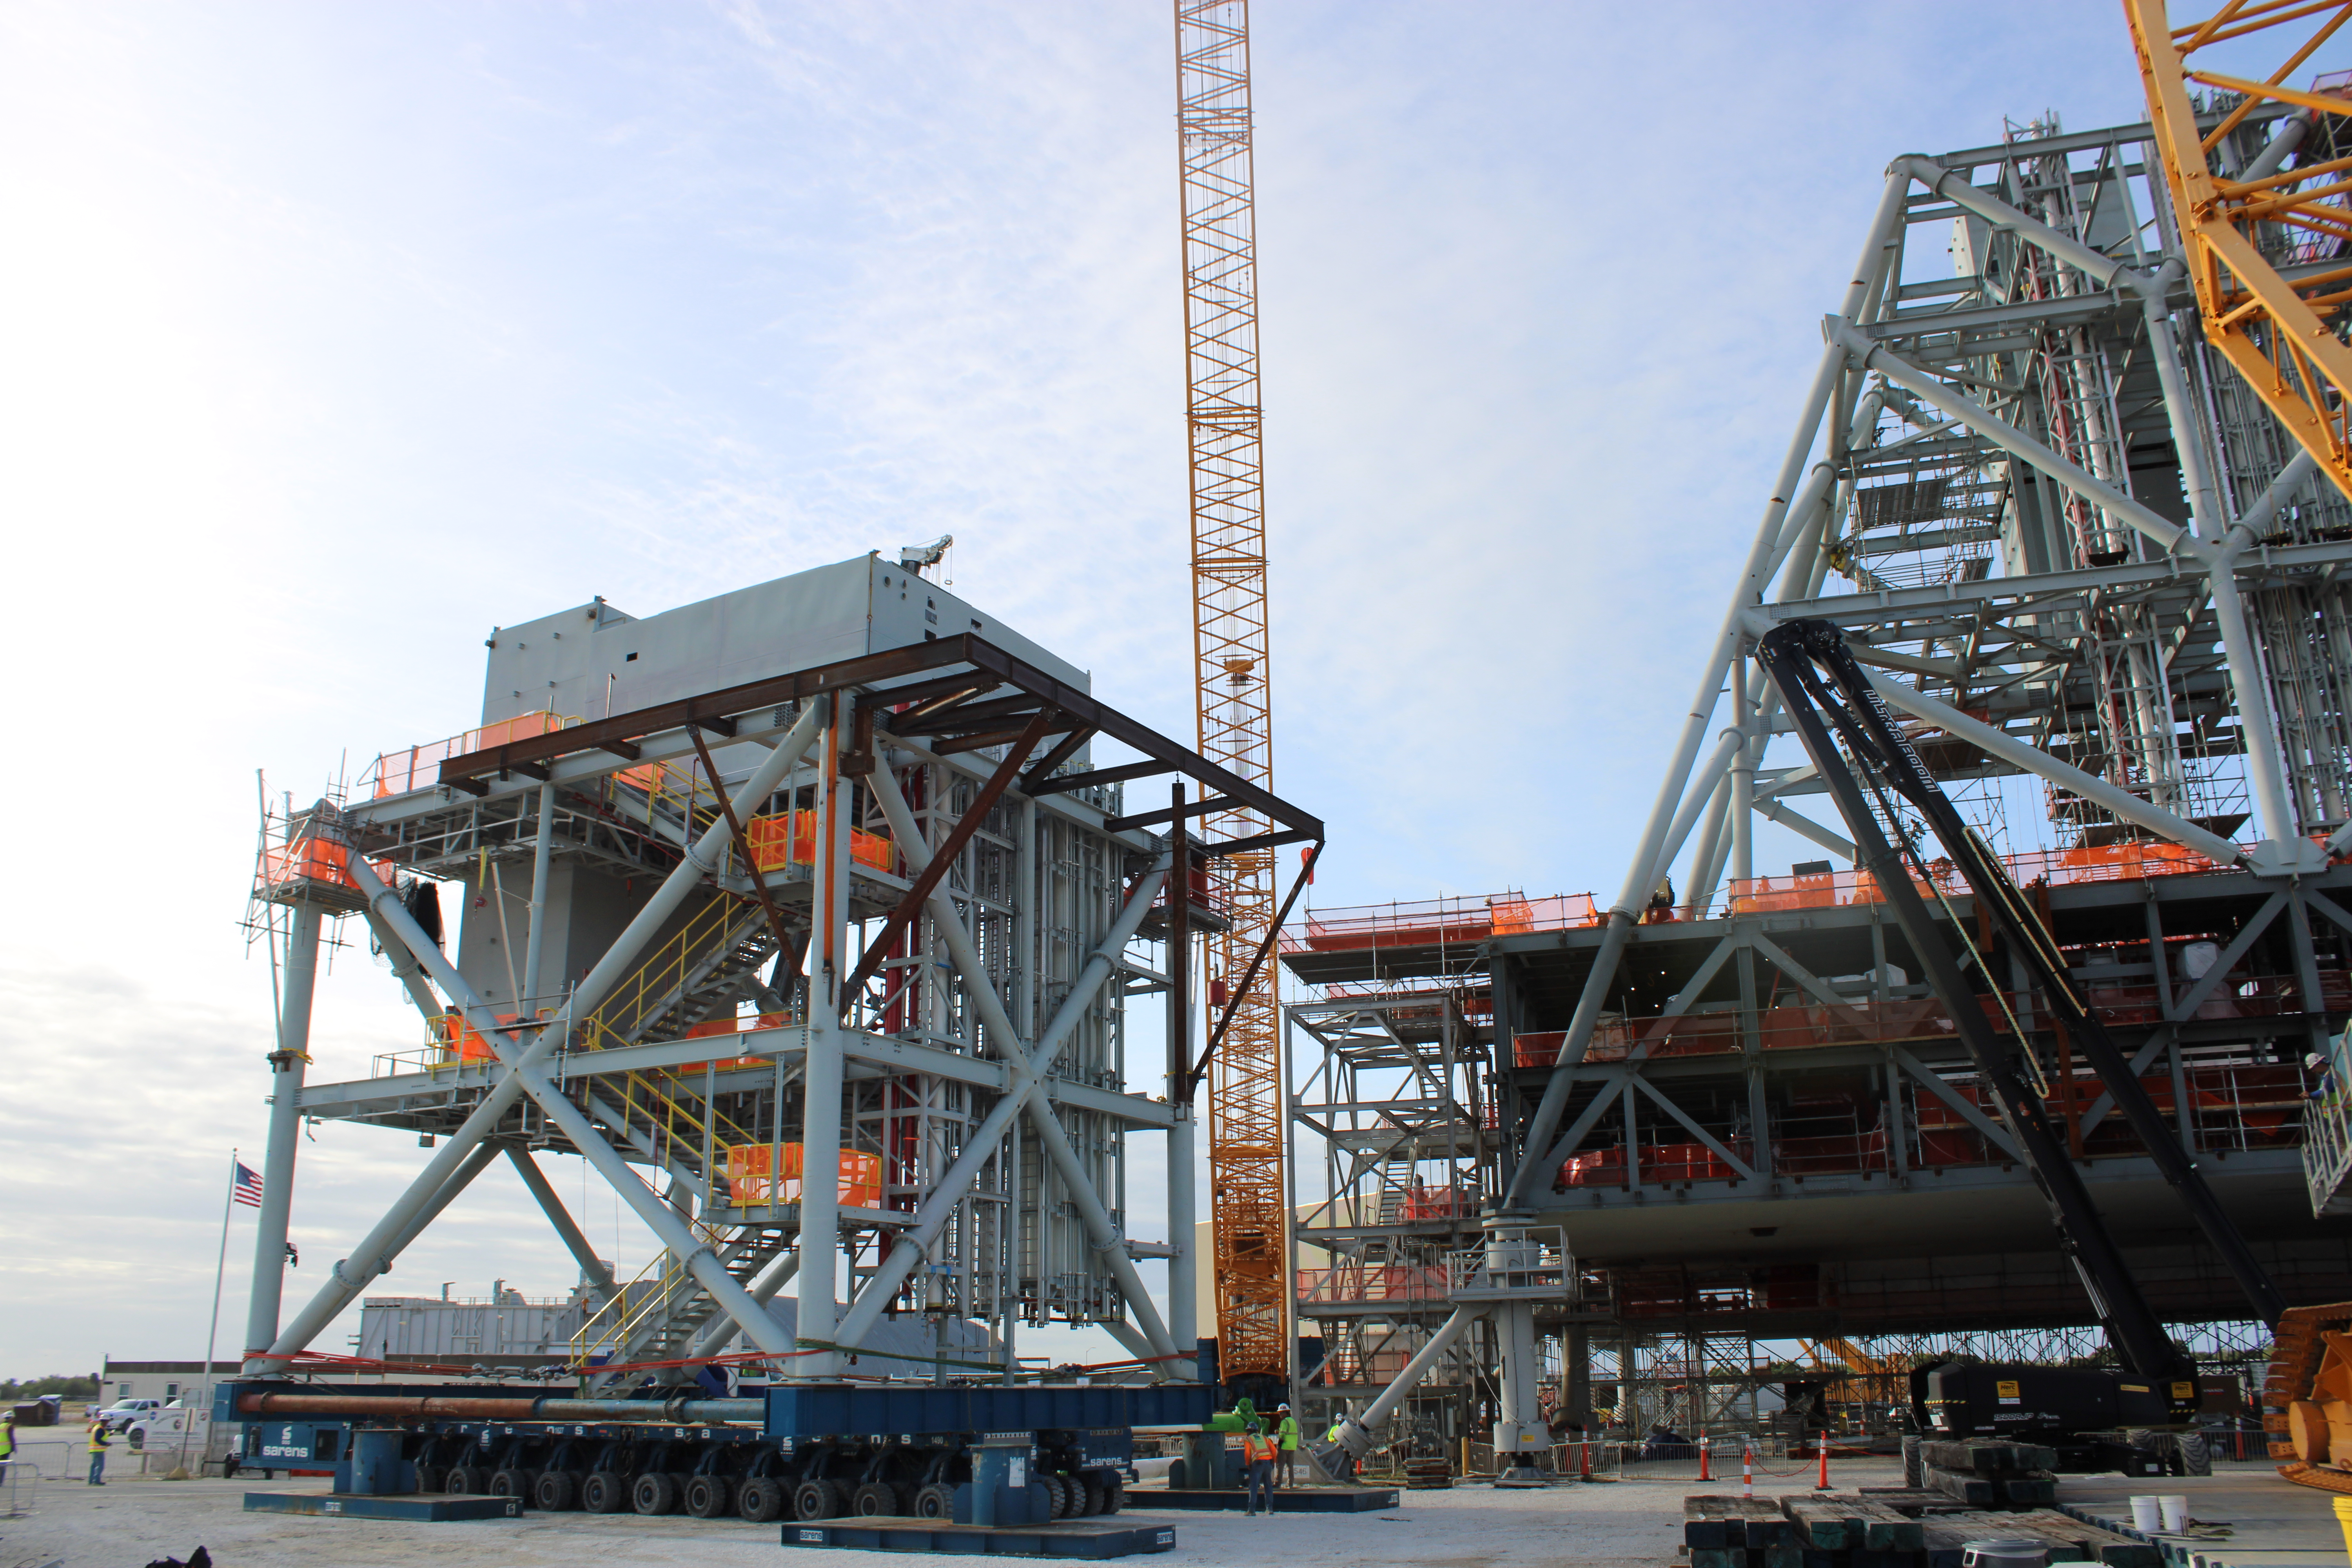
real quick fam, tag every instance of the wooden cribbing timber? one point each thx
(1739, 1532)
(1983, 1474)
(1894, 1528)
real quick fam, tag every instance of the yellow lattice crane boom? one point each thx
(2280, 335)
(1229, 673)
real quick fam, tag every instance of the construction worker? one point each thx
(1286, 1434)
(7, 1443)
(100, 1437)
(1258, 1451)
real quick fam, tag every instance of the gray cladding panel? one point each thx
(567, 663)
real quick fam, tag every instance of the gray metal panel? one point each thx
(589, 661)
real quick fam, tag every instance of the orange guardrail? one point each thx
(419, 767)
(749, 1184)
(312, 861)
(790, 838)
(1434, 923)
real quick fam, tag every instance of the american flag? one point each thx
(249, 1185)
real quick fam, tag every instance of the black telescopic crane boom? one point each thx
(1817, 675)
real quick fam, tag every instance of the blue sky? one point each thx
(336, 334)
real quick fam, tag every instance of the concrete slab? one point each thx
(1081, 1538)
(2272, 1523)
(1298, 1500)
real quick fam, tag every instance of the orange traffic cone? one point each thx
(1703, 1473)
(1822, 1484)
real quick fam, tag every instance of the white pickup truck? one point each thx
(163, 1427)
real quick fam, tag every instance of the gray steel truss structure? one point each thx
(825, 975)
(2093, 576)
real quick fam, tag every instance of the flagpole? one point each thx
(212, 1333)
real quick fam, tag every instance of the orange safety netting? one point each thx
(790, 836)
(1446, 922)
(313, 860)
(2127, 862)
(748, 1166)
(397, 772)
(1864, 1021)
(1435, 922)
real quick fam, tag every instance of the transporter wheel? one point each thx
(816, 1499)
(654, 1492)
(1090, 1493)
(604, 1491)
(934, 1501)
(1114, 1491)
(428, 1477)
(516, 1484)
(556, 1491)
(761, 1499)
(708, 1497)
(464, 1480)
(1058, 1487)
(875, 1499)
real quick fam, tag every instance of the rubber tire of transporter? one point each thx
(556, 1491)
(428, 1478)
(710, 1497)
(464, 1480)
(655, 1491)
(1065, 1495)
(1114, 1491)
(761, 1499)
(934, 1501)
(875, 1499)
(516, 1484)
(604, 1491)
(817, 1499)
(1090, 1493)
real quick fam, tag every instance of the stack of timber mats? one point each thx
(1988, 1475)
(1971, 1491)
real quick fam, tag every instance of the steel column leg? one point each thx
(541, 856)
(286, 1064)
(821, 1083)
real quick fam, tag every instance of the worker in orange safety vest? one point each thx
(1258, 1452)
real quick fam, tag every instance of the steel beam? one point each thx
(286, 1065)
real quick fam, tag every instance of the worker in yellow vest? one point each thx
(7, 1443)
(1285, 1435)
(1258, 1452)
(99, 1439)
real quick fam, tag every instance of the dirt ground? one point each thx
(1630, 1524)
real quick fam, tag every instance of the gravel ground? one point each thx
(131, 1521)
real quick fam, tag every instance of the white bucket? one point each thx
(2175, 1506)
(2147, 1515)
